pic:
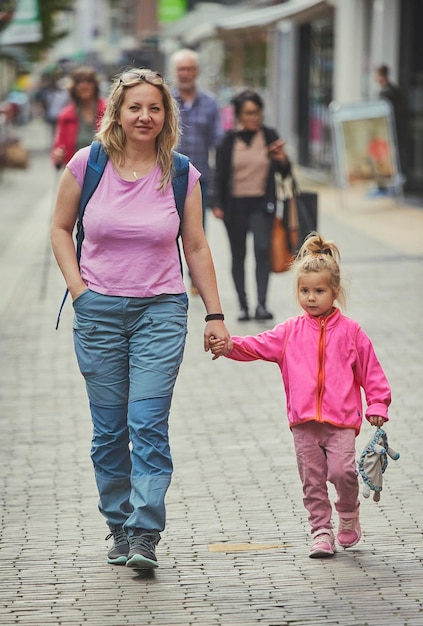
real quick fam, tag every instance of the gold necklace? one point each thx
(134, 173)
(144, 170)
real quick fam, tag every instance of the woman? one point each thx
(131, 304)
(246, 162)
(79, 120)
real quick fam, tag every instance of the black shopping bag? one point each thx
(306, 202)
(301, 218)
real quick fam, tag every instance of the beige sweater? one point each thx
(250, 167)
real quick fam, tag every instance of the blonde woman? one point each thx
(130, 304)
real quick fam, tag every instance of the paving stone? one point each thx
(235, 480)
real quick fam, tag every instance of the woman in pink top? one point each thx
(130, 303)
(325, 359)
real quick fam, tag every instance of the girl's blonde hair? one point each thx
(317, 255)
(113, 138)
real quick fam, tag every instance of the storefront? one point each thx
(304, 54)
(286, 52)
(411, 83)
(315, 92)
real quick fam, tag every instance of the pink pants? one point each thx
(326, 453)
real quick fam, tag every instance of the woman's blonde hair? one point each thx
(113, 138)
(318, 255)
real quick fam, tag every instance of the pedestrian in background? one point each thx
(200, 120)
(393, 94)
(54, 96)
(79, 120)
(130, 303)
(325, 359)
(245, 195)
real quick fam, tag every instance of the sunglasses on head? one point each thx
(147, 76)
(83, 79)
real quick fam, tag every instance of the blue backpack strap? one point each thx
(180, 186)
(95, 167)
(97, 160)
(180, 182)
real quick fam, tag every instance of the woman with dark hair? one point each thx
(79, 120)
(245, 198)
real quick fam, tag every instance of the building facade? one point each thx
(304, 54)
(300, 54)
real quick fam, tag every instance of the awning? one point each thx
(198, 24)
(295, 10)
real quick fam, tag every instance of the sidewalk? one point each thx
(235, 551)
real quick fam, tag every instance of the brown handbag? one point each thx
(283, 243)
(281, 257)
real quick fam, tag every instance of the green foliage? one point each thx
(7, 8)
(48, 10)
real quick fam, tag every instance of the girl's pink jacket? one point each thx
(324, 363)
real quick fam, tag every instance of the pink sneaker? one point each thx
(349, 531)
(323, 544)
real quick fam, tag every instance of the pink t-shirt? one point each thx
(130, 229)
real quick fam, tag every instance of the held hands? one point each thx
(376, 420)
(219, 347)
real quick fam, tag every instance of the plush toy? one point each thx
(373, 462)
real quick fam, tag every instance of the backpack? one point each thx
(95, 167)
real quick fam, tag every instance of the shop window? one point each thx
(321, 79)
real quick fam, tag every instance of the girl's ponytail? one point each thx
(316, 246)
(318, 255)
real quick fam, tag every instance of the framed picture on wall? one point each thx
(365, 144)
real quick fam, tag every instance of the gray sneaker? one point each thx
(118, 554)
(142, 549)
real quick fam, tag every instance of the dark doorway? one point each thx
(315, 94)
(411, 83)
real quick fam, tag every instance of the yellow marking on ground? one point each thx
(245, 547)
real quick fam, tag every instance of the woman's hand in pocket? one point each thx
(77, 291)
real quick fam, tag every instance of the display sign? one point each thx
(365, 143)
(25, 27)
(171, 10)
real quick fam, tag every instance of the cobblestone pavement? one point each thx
(235, 551)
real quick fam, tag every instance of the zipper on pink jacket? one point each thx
(321, 368)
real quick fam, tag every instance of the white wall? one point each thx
(350, 62)
(348, 52)
(386, 35)
(284, 78)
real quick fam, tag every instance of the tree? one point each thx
(47, 11)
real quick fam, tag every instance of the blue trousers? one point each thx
(129, 351)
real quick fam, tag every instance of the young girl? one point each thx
(325, 358)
